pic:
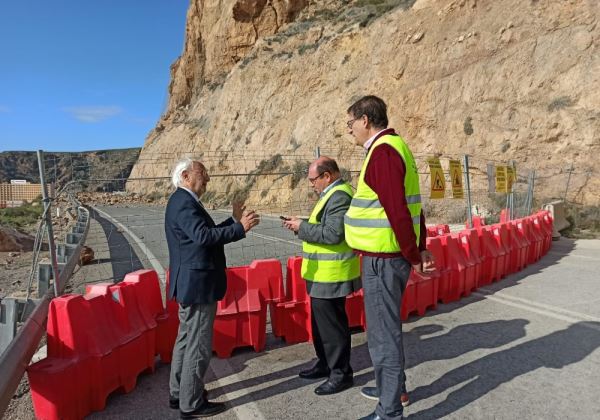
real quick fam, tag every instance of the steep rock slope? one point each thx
(497, 79)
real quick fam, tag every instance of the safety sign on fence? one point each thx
(511, 177)
(456, 178)
(501, 179)
(438, 183)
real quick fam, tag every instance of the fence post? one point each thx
(48, 215)
(468, 187)
(568, 182)
(512, 191)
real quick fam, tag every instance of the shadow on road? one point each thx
(555, 351)
(123, 258)
(457, 341)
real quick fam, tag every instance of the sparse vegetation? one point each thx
(559, 103)
(584, 220)
(299, 171)
(467, 126)
(21, 217)
(303, 49)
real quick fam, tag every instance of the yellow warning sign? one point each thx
(501, 179)
(438, 183)
(511, 177)
(456, 177)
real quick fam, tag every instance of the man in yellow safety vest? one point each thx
(385, 225)
(332, 271)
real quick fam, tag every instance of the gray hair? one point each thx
(184, 164)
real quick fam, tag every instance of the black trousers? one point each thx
(331, 336)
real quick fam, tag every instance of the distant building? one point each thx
(19, 191)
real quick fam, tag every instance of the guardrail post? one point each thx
(8, 322)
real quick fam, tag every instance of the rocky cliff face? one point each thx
(498, 79)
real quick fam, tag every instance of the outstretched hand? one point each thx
(427, 264)
(292, 223)
(249, 220)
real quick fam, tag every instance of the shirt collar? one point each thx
(330, 186)
(192, 193)
(381, 133)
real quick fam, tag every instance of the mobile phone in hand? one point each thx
(284, 218)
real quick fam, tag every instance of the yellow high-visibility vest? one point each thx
(329, 263)
(366, 224)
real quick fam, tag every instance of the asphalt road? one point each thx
(526, 347)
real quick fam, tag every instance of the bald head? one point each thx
(325, 164)
(322, 173)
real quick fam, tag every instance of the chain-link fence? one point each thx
(127, 231)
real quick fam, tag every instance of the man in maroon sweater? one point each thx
(386, 273)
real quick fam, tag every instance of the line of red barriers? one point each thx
(100, 342)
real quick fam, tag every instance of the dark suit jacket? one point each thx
(196, 250)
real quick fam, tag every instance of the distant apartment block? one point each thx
(18, 192)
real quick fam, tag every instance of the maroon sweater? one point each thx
(385, 175)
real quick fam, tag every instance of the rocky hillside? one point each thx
(64, 167)
(497, 79)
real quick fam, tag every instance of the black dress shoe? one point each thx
(314, 373)
(372, 416)
(328, 387)
(207, 409)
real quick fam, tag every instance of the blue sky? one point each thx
(86, 74)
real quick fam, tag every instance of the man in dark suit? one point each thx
(331, 271)
(197, 282)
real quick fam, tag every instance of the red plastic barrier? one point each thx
(536, 238)
(492, 268)
(266, 277)
(478, 222)
(135, 321)
(172, 308)
(409, 299)
(61, 383)
(539, 228)
(462, 274)
(500, 235)
(548, 224)
(427, 288)
(147, 288)
(472, 248)
(432, 231)
(131, 342)
(56, 391)
(446, 282)
(442, 229)
(291, 319)
(355, 310)
(241, 318)
(520, 246)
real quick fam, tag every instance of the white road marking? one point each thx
(540, 305)
(531, 308)
(247, 411)
(273, 238)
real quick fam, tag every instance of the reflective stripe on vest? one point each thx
(366, 224)
(329, 263)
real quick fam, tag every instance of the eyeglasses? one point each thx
(351, 122)
(312, 180)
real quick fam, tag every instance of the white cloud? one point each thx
(4, 108)
(93, 114)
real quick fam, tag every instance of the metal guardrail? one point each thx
(17, 356)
